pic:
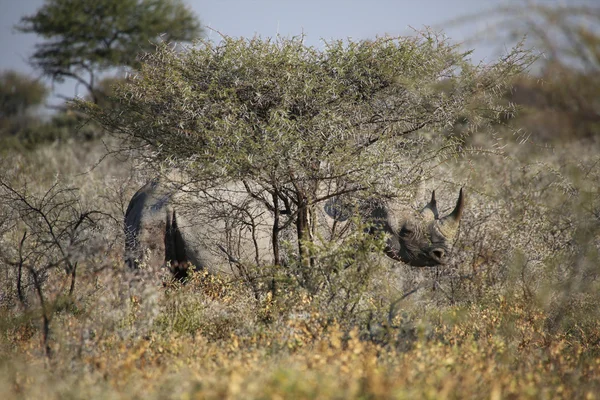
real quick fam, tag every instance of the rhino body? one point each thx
(209, 229)
(216, 229)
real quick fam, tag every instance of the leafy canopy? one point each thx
(275, 110)
(299, 125)
(84, 37)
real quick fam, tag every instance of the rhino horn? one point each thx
(451, 220)
(458, 210)
(430, 211)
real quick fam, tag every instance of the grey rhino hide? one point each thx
(209, 230)
(213, 230)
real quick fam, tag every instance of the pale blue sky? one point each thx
(317, 19)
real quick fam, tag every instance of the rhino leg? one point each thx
(175, 249)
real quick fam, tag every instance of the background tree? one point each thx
(561, 98)
(105, 91)
(87, 37)
(23, 126)
(566, 100)
(20, 95)
(298, 125)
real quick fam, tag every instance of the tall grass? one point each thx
(514, 315)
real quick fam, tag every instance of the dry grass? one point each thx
(514, 316)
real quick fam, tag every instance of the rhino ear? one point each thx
(336, 208)
(430, 211)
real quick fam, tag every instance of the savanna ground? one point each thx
(514, 315)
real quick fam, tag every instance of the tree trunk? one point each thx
(304, 231)
(275, 233)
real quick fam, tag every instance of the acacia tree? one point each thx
(300, 125)
(87, 37)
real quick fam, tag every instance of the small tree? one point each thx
(19, 96)
(298, 125)
(56, 234)
(87, 37)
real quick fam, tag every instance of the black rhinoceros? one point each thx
(214, 229)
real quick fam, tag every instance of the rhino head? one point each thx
(422, 240)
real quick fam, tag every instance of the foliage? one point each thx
(568, 95)
(63, 126)
(105, 91)
(561, 99)
(566, 34)
(19, 94)
(85, 38)
(298, 125)
(22, 127)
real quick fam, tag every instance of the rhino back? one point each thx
(223, 227)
